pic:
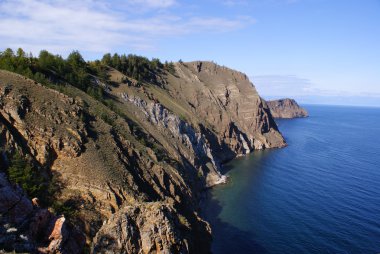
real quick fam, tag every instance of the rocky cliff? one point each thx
(286, 108)
(135, 163)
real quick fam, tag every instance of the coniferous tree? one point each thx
(21, 173)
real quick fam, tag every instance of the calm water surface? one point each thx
(321, 194)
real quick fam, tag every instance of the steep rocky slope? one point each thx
(209, 113)
(135, 168)
(286, 108)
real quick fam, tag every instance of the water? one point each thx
(321, 194)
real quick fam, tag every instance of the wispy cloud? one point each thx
(282, 85)
(155, 3)
(234, 2)
(305, 91)
(99, 25)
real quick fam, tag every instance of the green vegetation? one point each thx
(55, 72)
(40, 184)
(169, 67)
(137, 67)
(30, 180)
(49, 69)
(182, 117)
(69, 208)
(159, 151)
(108, 119)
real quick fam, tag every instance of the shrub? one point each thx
(68, 208)
(182, 118)
(22, 173)
(106, 118)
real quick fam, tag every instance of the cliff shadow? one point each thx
(225, 168)
(227, 238)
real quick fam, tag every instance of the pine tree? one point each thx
(21, 173)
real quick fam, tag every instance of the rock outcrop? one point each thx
(228, 101)
(286, 108)
(25, 227)
(149, 228)
(194, 141)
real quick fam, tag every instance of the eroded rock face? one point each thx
(228, 101)
(147, 228)
(286, 108)
(28, 228)
(58, 132)
(198, 151)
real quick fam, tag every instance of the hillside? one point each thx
(130, 149)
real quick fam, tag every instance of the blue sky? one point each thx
(317, 51)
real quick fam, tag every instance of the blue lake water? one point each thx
(321, 194)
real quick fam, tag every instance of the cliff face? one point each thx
(286, 108)
(208, 113)
(226, 100)
(135, 169)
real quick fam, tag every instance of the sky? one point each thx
(317, 51)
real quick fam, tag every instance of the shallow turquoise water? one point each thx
(321, 194)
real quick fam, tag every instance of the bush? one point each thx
(170, 67)
(69, 208)
(35, 183)
(46, 187)
(29, 179)
(106, 118)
